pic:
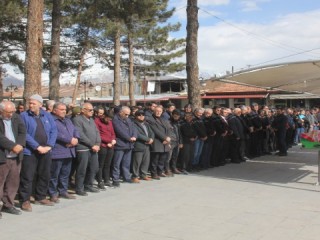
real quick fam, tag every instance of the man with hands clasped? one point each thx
(12, 141)
(36, 164)
(87, 151)
(126, 135)
(141, 151)
(62, 153)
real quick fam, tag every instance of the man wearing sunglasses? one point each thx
(86, 151)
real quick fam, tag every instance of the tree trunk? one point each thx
(34, 45)
(192, 54)
(131, 76)
(116, 84)
(77, 85)
(82, 58)
(1, 82)
(54, 86)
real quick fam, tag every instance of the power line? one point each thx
(263, 38)
(291, 55)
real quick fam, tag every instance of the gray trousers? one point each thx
(140, 163)
(87, 169)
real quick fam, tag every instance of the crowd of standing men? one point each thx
(44, 152)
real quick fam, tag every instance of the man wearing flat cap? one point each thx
(141, 150)
(41, 138)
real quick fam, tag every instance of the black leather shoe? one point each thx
(101, 186)
(81, 193)
(11, 210)
(116, 184)
(91, 189)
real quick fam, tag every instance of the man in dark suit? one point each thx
(161, 145)
(141, 150)
(208, 143)
(12, 141)
(237, 135)
(150, 106)
(221, 127)
(166, 115)
(257, 134)
(189, 135)
(126, 135)
(280, 125)
(201, 137)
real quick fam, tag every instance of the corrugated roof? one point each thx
(299, 77)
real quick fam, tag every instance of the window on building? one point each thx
(239, 101)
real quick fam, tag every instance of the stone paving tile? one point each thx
(266, 198)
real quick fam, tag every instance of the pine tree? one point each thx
(12, 35)
(144, 35)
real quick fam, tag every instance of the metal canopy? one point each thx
(296, 77)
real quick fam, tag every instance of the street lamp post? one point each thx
(90, 86)
(11, 88)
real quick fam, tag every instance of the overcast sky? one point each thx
(242, 33)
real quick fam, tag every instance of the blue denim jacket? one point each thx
(31, 125)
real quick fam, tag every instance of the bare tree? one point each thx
(192, 54)
(33, 64)
(81, 63)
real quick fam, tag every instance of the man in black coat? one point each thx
(161, 145)
(256, 137)
(189, 135)
(141, 150)
(280, 125)
(201, 137)
(150, 106)
(237, 136)
(208, 143)
(221, 127)
(12, 141)
(176, 143)
(245, 118)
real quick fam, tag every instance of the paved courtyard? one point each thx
(267, 198)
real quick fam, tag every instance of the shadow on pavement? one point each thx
(299, 170)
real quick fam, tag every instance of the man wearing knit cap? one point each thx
(41, 137)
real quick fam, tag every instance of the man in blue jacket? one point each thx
(40, 139)
(126, 135)
(62, 153)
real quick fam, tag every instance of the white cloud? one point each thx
(213, 2)
(223, 46)
(251, 5)
(181, 6)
